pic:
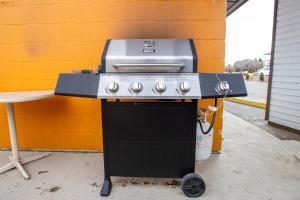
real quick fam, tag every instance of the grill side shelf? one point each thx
(78, 85)
(209, 81)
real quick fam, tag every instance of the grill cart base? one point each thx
(192, 185)
(148, 139)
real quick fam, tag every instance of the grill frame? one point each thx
(178, 153)
(88, 85)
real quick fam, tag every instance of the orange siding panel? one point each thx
(147, 10)
(11, 52)
(215, 30)
(190, 29)
(38, 85)
(216, 10)
(147, 29)
(10, 85)
(74, 106)
(188, 10)
(36, 140)
(11, 70)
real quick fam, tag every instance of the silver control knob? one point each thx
(222, 87)
(112, 87)
(184, 87)
(136, 87)
(160, 87)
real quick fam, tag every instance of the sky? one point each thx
(249, 31)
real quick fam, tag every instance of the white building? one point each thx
(283, 102)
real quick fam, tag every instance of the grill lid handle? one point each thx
(149, 67)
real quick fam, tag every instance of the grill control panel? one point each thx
(149, 86)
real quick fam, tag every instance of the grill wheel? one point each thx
(193, 185)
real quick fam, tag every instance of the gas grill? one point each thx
(149, 91)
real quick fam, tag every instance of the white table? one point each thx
(14, 97)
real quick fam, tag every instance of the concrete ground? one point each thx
(253, 165)
(256, 116)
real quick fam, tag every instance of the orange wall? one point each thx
(40, 39)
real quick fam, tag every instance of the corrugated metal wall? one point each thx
(285, 92)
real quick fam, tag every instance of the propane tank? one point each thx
(203, 142)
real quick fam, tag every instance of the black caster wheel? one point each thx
(193, 185)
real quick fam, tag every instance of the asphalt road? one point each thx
(257, 91)
(256, 116)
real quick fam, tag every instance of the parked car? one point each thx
(265, 71)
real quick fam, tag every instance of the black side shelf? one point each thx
(78, 85)
(208, 83)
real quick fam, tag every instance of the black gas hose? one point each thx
(212, 121)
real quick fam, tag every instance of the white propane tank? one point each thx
(203, 142)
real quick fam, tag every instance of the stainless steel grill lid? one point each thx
(140, 55)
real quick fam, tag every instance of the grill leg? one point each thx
(106, 187)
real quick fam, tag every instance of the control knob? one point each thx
(160, 87)
(222, 87)
(136, 87)
(112, 87)
(184, 87)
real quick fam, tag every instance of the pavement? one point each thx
(257, 95)
(256, 116)
(257, 91)
(253, 165)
